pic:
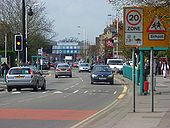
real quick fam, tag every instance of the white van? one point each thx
(116, 65)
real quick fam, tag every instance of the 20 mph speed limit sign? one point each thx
(133, 19)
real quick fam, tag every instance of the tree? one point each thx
(40, 30)
(154, 3)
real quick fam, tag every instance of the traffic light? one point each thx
(18, 42)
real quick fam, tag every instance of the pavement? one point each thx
(2, 84)
(121, 113)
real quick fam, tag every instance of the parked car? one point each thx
(116, 65)
(84, 67)
(63, 69)
(102, 73)
(25, 77)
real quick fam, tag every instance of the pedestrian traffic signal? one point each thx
(18, 42)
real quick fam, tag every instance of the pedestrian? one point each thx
(4, 68)
(164, 68)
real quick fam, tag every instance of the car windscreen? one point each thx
(82, 64)
(115, 62)
(19, 71)
(102, 69)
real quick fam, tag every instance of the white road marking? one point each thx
(58, 92)
(85, 91)
(115, 92)
(76, 91)
(16, 92)
(66, 88)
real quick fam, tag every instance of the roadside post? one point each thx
(133, 37)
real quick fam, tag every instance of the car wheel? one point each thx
(70, 76)
(9, 89)
(111, 83)
(44, 86)
(92, 82)
(36, 87)
(56, 76)
(18, 89)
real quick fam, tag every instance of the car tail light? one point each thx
(69, 69)
(58, 70)
(31, 72)
(6, 76)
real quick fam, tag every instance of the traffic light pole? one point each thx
(23, 31)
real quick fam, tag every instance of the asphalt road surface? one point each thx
(66, 102)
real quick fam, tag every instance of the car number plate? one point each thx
(102, 78)
(19, 76)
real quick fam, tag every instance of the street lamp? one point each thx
(25, 13)
(84, 40)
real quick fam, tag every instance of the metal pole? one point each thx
(5, 45)
(151, 78)
(26, 36)
(23, 30)
(133, 78)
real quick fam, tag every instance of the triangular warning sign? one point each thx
(156, 25)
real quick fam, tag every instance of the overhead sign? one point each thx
(133, 30)
(155, 27)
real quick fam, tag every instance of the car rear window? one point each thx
(63, 66)
(19, 71)
(115, 62)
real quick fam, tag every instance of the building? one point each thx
(67, 49)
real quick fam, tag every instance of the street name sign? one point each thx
(133, 30)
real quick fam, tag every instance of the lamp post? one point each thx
(84, 40)
(23, 31)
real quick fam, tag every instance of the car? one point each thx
(84, 67)
(102, 73)
(75, 65)
(25, 77)
(116, 65)
(63, 69)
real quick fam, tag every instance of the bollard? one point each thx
(146, 87)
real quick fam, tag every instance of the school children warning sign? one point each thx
(156, 27)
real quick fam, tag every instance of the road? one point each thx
(66, 102)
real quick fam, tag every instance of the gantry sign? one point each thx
(146, 26)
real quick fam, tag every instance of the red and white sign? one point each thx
(133, 17)
(156, 25)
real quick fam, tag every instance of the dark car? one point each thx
(102, 73)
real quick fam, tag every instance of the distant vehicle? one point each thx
(102, 73)
(116, 65)
(84, 67)
(63, 69)
(25, 77)
(75, 65)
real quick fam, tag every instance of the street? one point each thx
(66, 102)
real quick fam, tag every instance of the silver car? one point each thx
(25, 77)
(84, 67)
(63, 69)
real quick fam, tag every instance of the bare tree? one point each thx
(39, 27)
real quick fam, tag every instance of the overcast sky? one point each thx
(90, 15)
